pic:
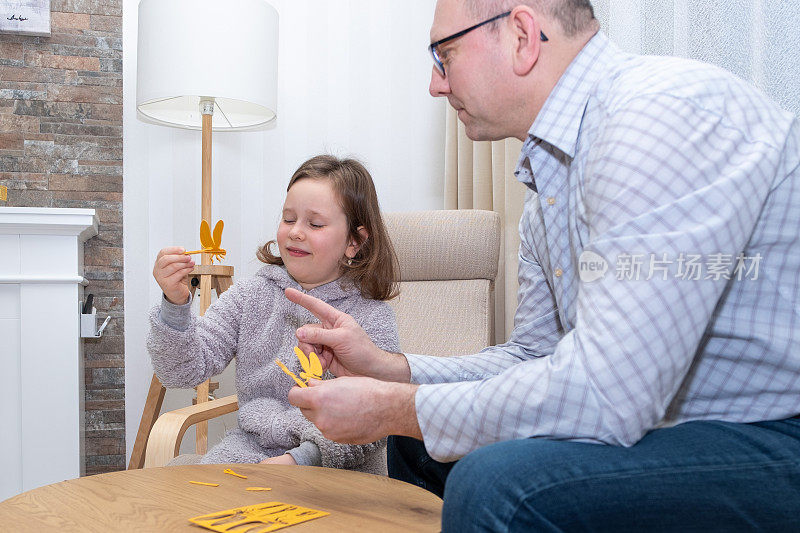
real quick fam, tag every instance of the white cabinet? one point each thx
(41, 356)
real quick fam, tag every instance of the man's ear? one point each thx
(355, 246)
(526, 33)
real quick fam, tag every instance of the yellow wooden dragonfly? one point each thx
(211, 243)
(312, 368)
(267, 516)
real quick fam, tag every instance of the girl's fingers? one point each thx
(164, 260)
(170, 250)
(168, 266)
(173, 278)
(174, 258)
(178, 275)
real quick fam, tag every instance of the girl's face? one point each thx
(312, 235)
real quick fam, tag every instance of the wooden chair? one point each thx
(448, 264)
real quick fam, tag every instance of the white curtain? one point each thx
(758, 40)
(480, 175)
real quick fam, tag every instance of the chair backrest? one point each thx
(448, 264)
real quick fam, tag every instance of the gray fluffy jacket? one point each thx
(255, 323)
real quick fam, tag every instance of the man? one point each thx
(652, 380)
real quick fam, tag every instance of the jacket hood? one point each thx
(338, 289)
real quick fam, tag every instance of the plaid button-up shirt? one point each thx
(659, 265)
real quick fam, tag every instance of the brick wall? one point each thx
(61, 146)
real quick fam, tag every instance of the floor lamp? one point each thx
(208, 65)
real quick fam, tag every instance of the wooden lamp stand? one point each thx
(208, 277)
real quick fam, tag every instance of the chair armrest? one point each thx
(167, 433)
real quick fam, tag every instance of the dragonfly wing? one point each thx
(218, 233)
(303, 359)
(316, 366)
(205, 235)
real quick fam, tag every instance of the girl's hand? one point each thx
(285, 459)
(170, 270)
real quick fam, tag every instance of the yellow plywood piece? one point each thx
(204, 483)
(270, 515)
(3, 193)
(231, 472)
(312, 368)
(290, 373)
(211, 243)
(257, 488)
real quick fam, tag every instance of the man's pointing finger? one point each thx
(318, 308)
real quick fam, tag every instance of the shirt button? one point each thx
(559, 272)
(551, 201)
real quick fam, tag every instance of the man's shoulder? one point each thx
(703, 87)
(639, 76)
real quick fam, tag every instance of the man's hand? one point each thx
(343, 346)
(354, 410)
(285, 459)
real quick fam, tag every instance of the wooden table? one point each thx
(162, 499)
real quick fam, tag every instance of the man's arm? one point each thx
(690, 183)
(535, 334)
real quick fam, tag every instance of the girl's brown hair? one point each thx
(374, 269)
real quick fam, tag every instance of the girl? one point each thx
(332, 244)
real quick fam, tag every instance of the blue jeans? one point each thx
(697, 476)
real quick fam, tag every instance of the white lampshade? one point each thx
(221, 49)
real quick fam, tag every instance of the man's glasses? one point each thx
(437, 61)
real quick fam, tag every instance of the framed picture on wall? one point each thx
(25, 17)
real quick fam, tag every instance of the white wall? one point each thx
(353, 79)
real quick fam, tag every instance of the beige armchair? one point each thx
(448, 264)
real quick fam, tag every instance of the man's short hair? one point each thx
(574, 16)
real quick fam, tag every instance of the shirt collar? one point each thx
(559, 121)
